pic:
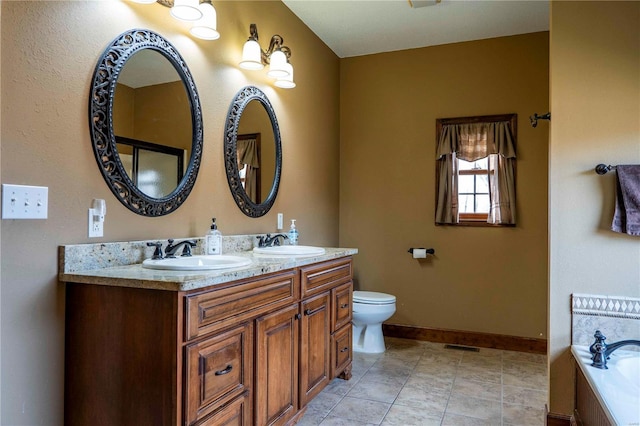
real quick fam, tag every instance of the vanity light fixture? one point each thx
(277, 57)
(186, 10)
(201, 13)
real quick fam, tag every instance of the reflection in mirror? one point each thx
(151, 106)
(154, 169)
(146, 123)
(250, 165)
(256, 151)
(253, 155)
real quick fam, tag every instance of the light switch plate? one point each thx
(24, 202)
(280, 220)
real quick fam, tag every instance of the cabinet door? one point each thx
(276, 395)
(218, 369)
(315, 358)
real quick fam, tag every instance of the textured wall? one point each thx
(49, 52)
(490, 280)
(595, 101)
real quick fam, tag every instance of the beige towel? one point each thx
(626, 218)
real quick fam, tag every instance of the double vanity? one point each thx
(245, 338)
(251, 343)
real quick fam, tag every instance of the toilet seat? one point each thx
(373, 298)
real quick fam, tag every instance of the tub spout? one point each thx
(600, 351)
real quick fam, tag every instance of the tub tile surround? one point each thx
(119, 264)
(617, 317)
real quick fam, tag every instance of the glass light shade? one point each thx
(205, 27)
(144, 1)
(277, 62)
(251, 56)
(286, 82)
(186, 10)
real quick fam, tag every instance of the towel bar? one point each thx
(603, 169)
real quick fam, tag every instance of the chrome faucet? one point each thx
(269, 241)
(600, 351)
(170, 250)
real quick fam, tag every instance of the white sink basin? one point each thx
(289, 251)
(197, 263)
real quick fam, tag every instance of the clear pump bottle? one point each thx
(214, 239)
(293, 233)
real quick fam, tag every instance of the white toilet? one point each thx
(370, 309)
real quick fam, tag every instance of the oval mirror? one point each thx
(253, 152)
(146, 123)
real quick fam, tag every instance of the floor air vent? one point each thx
(462, 348)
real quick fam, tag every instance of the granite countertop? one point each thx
(134, 275)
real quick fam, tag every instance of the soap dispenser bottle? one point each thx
(293, 233)
(214, 239)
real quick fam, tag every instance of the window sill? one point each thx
(477, 224)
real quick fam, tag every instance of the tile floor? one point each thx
(422, 383)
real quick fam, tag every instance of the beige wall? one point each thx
(490, 280)
(595, 101)
(46, 77)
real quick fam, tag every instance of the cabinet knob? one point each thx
(298, 316)
(344, 349)
(225, 371)
(344, 305)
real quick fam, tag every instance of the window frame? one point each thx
(475, 219)
(475, 216)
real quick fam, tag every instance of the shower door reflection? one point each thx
(154, 169)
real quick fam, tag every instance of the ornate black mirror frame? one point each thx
(239, 103)
(103, 138)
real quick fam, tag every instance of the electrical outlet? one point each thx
(96, 227)
(24, 202)
(280, 221)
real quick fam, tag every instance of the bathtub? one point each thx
(618, 387)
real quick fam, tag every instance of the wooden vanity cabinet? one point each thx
(248, 352)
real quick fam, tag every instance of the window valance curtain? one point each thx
(248, 155)
(471, 142)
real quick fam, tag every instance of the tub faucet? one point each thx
(170, 250)
(600, 351)
(269, 241)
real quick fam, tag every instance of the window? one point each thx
(475, 170)
(473, 189)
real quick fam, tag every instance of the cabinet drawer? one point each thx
(322, 276)
(218, 369)
(236, 413)
(224, 307)
(342, 299)
(341, 350)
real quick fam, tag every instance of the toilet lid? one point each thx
(373, 297)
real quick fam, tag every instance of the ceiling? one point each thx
(363, 27)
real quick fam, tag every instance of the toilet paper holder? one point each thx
(429, 251)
